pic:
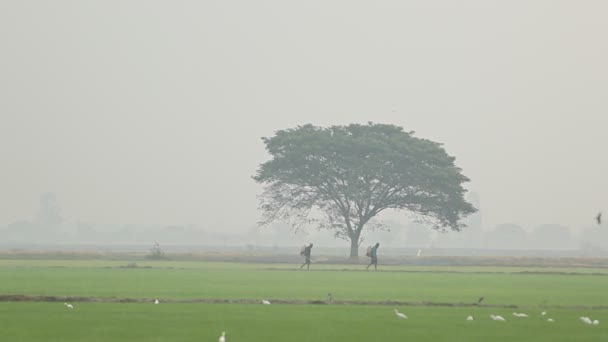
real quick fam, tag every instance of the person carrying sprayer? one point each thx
(373, 253)
(306, 250)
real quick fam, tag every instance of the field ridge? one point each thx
(76, 299)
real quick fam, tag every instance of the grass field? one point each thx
(436, 299)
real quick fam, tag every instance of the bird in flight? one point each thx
(480, 300)
(598, 218)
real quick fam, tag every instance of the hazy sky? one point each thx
(152, 111)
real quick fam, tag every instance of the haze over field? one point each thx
(151, 112)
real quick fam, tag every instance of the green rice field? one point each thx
(199, 300)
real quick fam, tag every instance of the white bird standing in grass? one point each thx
(519, 314)
(497, 318)
(223, 337)
(550, 320)
(265, 302)
(543, 313)
(589, 321)
(400, 315)
(69, 306)
(469, 318)
(156, 301)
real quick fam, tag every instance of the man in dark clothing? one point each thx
(374, 256)
(306, 254)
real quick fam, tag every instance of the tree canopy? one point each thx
(350, 174)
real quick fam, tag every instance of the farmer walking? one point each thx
(306, 253)
(374, 255)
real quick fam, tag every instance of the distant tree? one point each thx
(350, 174)
(50, 212)
(594, 238)
(21, 231)
(156, 252)
(508, 236)
(85, 232)
(551, 236)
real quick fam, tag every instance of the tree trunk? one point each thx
(354, 247)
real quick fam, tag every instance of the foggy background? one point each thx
(134, 121)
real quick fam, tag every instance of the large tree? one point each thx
(342, 177)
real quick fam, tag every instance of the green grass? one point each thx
(182, 281)
(566, 297)
(204, 322)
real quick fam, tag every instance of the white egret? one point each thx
(156, 301)
(550, 320)
(419, 252)
(69, 306)
(223, 337)
(497, 318)
(596, 322)
(543, 313)
(265, 302)
(400, 315)
(586, 320)
(519, 314)
(469, 318)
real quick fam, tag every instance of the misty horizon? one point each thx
(50, 227)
